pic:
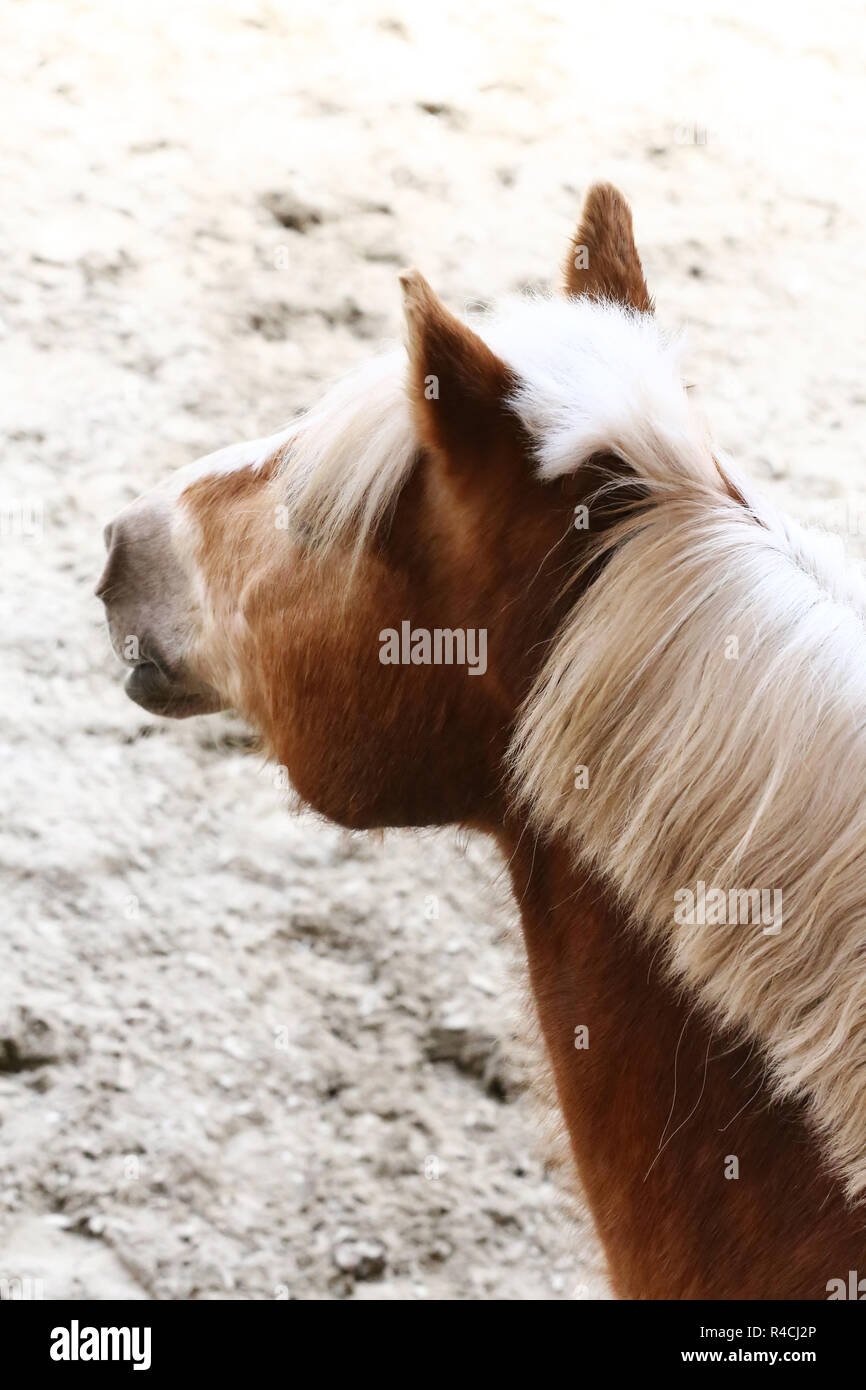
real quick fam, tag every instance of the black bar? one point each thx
(231, 1338)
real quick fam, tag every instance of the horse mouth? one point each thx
(159, 692)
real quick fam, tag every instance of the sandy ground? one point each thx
(241, 1054)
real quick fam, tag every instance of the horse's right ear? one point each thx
(602, 259)
(457, 385)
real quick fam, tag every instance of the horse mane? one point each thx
(713, 684)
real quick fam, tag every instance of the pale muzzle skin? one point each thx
(146, 587)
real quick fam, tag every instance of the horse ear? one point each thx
(458, 386)
(602, 260)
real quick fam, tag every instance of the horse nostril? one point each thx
(109, 573)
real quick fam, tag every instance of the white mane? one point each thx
(713, 685)
(596, 377)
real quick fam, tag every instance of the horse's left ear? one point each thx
(602, 260)
(458, 386)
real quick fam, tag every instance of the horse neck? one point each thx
(663, 1108)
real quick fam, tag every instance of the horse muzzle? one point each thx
(175, 697)
(150, 613)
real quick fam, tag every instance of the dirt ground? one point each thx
(243, 1054)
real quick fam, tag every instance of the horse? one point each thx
(670, 709)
